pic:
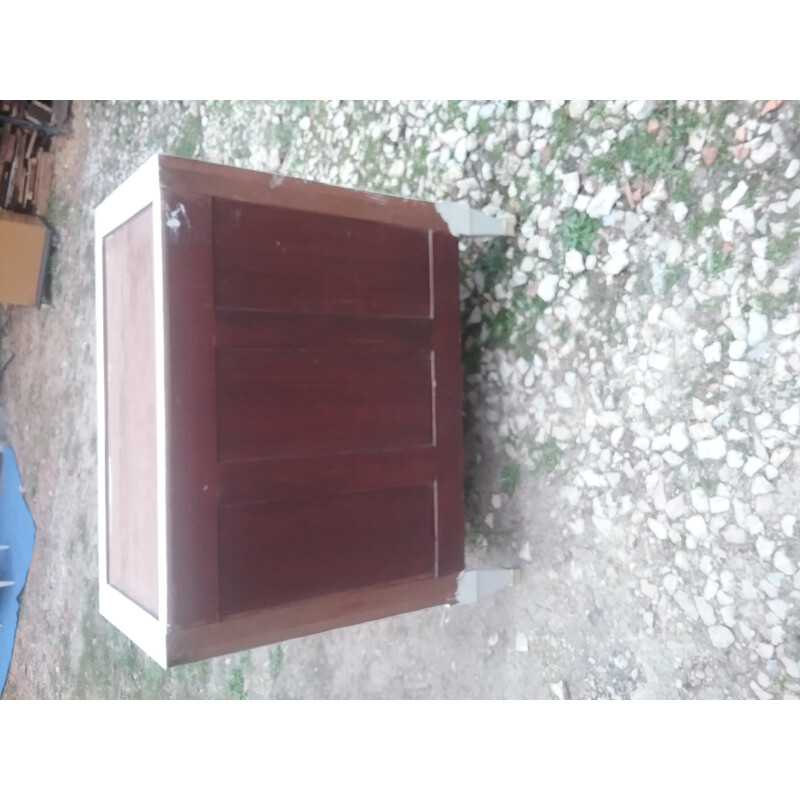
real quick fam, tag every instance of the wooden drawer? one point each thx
(279, 408)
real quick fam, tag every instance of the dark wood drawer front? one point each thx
(292, 550)
(273, 259)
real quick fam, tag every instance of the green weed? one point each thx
(578, 231)
(651, 155)
(190, 141)
(510, 477)
(700, 220)
(717, 262)
(779, 251)
(236, 684)
(275, 661)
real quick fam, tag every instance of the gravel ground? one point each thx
(632, 366)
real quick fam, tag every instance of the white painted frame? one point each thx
(143, 188)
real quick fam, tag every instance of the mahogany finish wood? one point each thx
(130, 412)
(312, 407)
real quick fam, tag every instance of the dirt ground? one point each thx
(571, 628)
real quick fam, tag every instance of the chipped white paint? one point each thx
(174, 218)
(465, 221)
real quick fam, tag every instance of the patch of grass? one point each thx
(779, 251)
(275, 661)
(564, 130)
(236, 684)
(651, 155)
(672, 276)
(717, 262)
(578, 231)
(190, 140)
(773, 305)
(510, 477)
(562, 330)
(545, 457)
(700, 220)
(57, 209)
(501, 327)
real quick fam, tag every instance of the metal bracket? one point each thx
(465, 221)
(476, 583)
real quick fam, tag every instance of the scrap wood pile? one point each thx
(27, 128)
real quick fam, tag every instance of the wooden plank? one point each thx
(191, 410)
(448, 404)
(298, 331)
(44, 181)
(265, 480)
(280, 624)
(249, 186)
(130, 411)
(60, 112)
(278, 259)
(290, 550)
(290, 403)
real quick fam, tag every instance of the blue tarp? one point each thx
(17, 531)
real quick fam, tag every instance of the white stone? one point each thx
(460, 151)
(601, 204)
(713, 353)
(761, 486)
(779, 608)
(791, 417)
(719, 505)
(616, 264)
(737, 350)
(559, 690)
(757, 327)
(788, 521)
(765, 650)
(764, 153)
(577, 108)
(699, 500)
(753, 465)
(524, 111)
(760, 268)
(734, 534)
(542, 117)
(679, 211)
(706, 611)
(525, 553)
(726, 229)
(548, 288)
(696, 525)
(721, 637)
(657, 528)
(652, 405)
(678, 438)
(497, 501)
(687, 606)
(641, 109)
(521, 644)
(783, 563)
(787, 326)
(792, 169)
(676, 507)
(543, 248)
(735, 196)
(794, 199)
(711, 450)
(573, 262)
(523, 148)
(562, 397)
(637, 395)
(572, 183)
